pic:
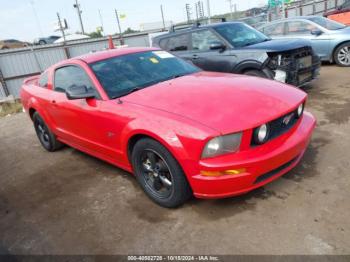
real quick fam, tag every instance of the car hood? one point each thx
(280, 45)
(225, 102)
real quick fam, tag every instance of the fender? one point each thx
(171, 142)
(34, 104)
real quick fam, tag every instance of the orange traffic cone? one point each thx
(110, 43)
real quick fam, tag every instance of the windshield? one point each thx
(240, 35)
(122, 75)
(327, 23)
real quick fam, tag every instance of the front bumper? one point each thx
(263, 164)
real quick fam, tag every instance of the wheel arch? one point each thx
(247, 65)
(174, 146)
(31, 112)
(336, 47)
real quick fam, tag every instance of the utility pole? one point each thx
(77, 6)
(101, 20)
(231, 10)
(119, 28)
(161, 10)
(283, 9)
(197, 11)
(188, 13)
(199, 5)
(208, 7)
(61, 28)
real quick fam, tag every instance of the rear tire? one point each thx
(46, 137)
(342, 55)
(159, 174)
(257, 73)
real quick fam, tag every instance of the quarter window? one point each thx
(43, 80)
(202, 40)
(70, 76)
(175, 43)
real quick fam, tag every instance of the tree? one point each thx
(95, 34)
(130, 31)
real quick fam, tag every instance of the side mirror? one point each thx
(79, 92)
(217, 46)
(316, 32)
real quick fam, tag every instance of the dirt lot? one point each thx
(70, 203)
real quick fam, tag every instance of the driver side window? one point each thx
(299, 28)
(202, 40)
(70, 76)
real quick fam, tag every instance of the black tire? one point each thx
(156, 186)
(342, 55)
(46, 137)
(42, 42)
(257, 73)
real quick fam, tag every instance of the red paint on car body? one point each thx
(183, 114)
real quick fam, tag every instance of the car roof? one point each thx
(294, 18)
(102, 55)
(193, 28)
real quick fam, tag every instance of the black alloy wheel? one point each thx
(159, 174)
(46, 137)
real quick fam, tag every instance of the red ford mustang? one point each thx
(180, 130)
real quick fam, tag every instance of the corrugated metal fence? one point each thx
(18, 64)
(317, 7)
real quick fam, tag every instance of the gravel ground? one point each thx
(70, 203)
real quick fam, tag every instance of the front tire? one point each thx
(159, 174)
(342, 55)
(46, 137)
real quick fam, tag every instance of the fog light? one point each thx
(261, 134)
(223, 173)
(300, 110)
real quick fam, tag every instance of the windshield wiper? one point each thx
(135, 89)
(177, 76)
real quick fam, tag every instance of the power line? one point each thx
(36, 18)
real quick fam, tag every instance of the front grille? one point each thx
(297, 64)
(275, 171)
(280, 126)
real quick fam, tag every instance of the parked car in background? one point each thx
(255, 21)
(238, 48)
(46, 40)
(330, 40)
(72, 37)
(180, 130)
(12, 43)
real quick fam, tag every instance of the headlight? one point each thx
(300, 110)
(261, 134)
(222, 145)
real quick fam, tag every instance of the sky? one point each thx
(27, 19)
